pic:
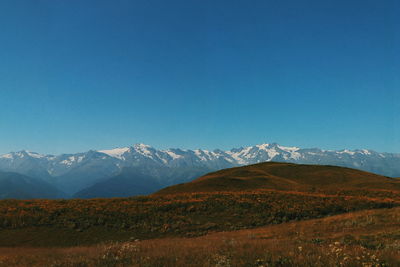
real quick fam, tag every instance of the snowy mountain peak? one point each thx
(289, 149)
(264, 147)
(34, 155)
(116, 152)
(145, 150)
(21, 154)
(74, 172)
(113, 160)
(141, 146)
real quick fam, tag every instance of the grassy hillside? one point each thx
(365, 238)
(85, 222)
(285, 176)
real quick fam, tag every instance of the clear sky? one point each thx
(78, 75)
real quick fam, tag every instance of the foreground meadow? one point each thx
(363, 238)
(55, 223)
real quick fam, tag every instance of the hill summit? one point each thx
(285, 176)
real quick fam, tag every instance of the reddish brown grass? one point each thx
(365, 238)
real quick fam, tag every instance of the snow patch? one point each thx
(67, 162)
(6, 156)
(347, 152)
(206, 155)
(73, 159)
(173, 155)
(272, 153)
(236, 157)
(34, 155)
(263, 146)
(288, 148)
(366, 152)
(143, 150)
(116, 152)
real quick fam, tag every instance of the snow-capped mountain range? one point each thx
(74, 172)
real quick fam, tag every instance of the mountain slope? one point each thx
(14, 185)
(127, 183)
(138, 181)
(285, 176)
(93, 167)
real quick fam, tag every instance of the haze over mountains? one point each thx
(14, 185)
(142, 169)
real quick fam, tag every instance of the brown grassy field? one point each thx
(364, 238)
(85, 222)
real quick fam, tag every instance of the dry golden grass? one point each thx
(364, 238)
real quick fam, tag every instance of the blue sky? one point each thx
(80, 75)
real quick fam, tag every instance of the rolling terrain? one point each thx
(267, 214)
(231, 199)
